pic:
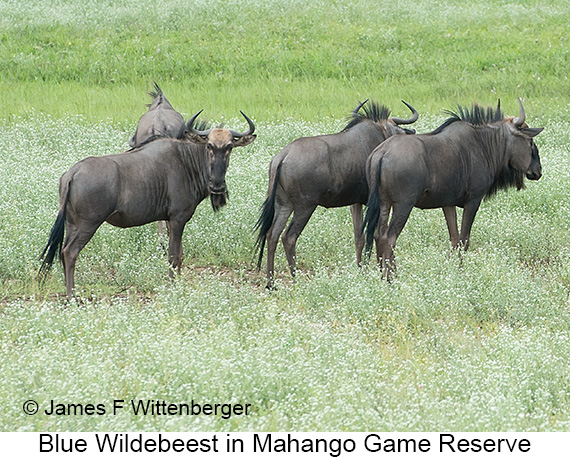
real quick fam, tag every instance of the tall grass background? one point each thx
(279, 59)
(477, 343)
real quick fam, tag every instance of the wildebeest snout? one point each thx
(217, 186)
(535, 173)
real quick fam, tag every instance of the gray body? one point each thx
(164, 179)
(326, 170)
(161, 119)
(459, 164)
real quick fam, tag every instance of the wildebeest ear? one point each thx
(198, 139)
(532, 132)
(245, 140)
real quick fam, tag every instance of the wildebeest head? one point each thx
(518, 157)
(219, 143)
(523, 151)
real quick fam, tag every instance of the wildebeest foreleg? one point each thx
(300, 219)
(176, 228)
(76, 237)
(282, 214)
(356, 213)
(451, 220)
(469, 212)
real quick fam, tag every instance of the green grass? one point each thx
(279, 59)
(476, 344)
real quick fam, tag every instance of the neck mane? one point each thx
(488, 126)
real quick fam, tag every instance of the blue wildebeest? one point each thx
(326, 170)
(164, 179)
(472, 155)
(161, 119)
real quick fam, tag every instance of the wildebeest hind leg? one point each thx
(400, 215)
(300, 219)
(75, 240)
(282, 214)
(381, 234)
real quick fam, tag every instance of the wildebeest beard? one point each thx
(219, 200)
(508, 177)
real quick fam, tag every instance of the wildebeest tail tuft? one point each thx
(265, 220)
(57, 232)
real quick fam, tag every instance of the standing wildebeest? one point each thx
(164, 179)
(161, 119)
(470, 156)
(326, 170)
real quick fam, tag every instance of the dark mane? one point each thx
(200, 125)
(150, 139)
(477, 115)
(367, 111)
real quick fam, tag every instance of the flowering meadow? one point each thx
(472, 342)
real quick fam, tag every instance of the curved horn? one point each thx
(357, 109)
(251, 127)
(519, 121)
(190, 126)
(413, 119)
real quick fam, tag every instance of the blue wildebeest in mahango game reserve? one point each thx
(163, 179)
(161, 119)
(472, 155)
(325, 170)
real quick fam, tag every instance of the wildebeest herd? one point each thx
(173, 165)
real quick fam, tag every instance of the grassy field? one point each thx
(479, 344)
(278, 59)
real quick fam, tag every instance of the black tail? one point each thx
(53, 246)
(265, 220)
(55, 240)
(372, 211)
